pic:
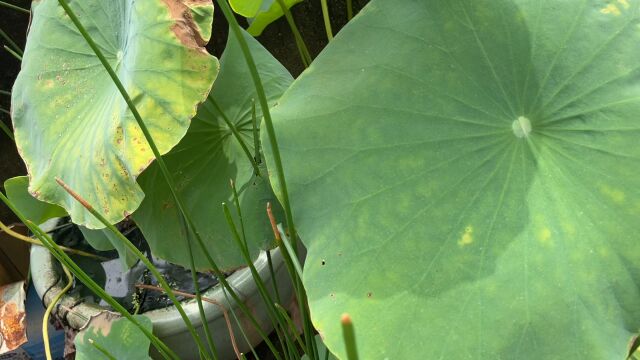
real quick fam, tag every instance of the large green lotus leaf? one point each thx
(118, 336)
(465, 177)
(34, 209)
(70, 120)
(204, 162)
(268, 12)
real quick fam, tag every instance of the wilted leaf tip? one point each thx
(185, 28)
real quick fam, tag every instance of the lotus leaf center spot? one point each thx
(120, 55)
(521, 127)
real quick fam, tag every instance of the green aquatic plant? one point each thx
(463, 174)
(464, 177)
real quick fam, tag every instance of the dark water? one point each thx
(121, 283)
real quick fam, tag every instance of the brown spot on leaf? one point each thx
(185, 27)
(369, 294)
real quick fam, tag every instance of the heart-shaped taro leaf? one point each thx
(465, 177)
(204, 162)
(71, 121)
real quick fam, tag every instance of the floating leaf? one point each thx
(204, 162)
(71, 121)
(34, 209)
(119, 336)
(465, 177)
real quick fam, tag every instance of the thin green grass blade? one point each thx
(256, 135)
(274, 281)
(327, 21)
(266, 298)
(14, 7)
(15, 46)
(279, 325)
(287, 244)
(292, 327)
(300, 44)
(13, 53)
(101, 348)
(198, 294)
(5, 129)
(296, 278)
(240, 327)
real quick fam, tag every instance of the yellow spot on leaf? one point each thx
(611, 9)
(625, 3)
(544, 236)
(467, 236)
(616, 195)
